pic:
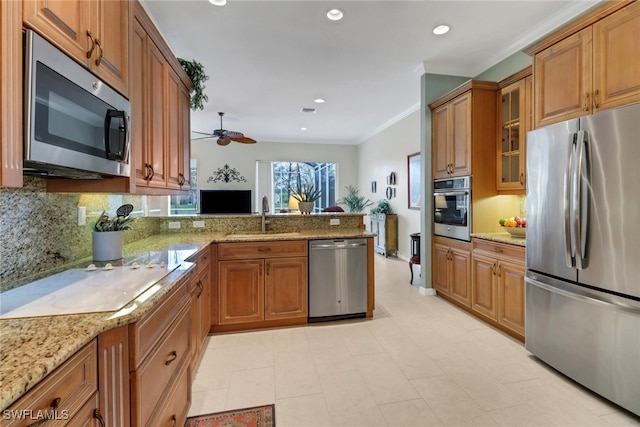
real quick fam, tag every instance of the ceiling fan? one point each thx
(226, 136)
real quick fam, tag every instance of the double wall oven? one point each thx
(452, 208)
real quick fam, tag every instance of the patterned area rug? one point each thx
(260, 416)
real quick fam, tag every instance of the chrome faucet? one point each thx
(265, 209)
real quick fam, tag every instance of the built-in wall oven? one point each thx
(452, 207)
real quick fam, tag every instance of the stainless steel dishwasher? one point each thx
(337, 279)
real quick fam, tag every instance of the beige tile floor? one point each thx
(419, 362)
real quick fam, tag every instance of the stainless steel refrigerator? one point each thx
(583, 251)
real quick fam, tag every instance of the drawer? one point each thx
(247, 250)
(144, 334)
(150, 381)
(499, 250)
(203, 259)
(173, 409)
(70, 386)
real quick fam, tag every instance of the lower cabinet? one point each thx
(261, 284)
(452, 269)
(67, 396)
(498, 287)
(200, 291)
(159, 355)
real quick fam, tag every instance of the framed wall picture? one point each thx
(413, 175)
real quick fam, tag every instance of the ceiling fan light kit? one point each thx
(226, 136)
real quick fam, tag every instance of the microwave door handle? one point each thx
(107, 134)
(568, 198)
(127, 137)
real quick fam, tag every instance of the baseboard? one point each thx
(427, 291)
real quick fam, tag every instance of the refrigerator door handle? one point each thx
(569, 178)
(581, 199)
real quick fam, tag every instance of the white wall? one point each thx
(242, 157)
(382, 154)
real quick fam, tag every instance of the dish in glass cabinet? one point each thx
(520, 232)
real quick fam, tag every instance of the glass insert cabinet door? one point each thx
(511, 146)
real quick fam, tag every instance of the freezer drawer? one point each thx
(337, 278)
(589, 336)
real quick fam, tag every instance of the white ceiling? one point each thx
(268, 59)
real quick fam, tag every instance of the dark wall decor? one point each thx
(226, 174)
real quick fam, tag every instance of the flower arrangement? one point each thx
(383, 207)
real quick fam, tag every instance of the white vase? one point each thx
(107, 245)
(305, 207)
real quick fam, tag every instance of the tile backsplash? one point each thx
(39, 231)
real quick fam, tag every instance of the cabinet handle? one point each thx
(268, 268)
(93, 44)
(172, 356)
(174, 420)
(180, 179)
(97, 415)
(99, 60)
(151, 172)
(497, 250)
(585, 107)
(260, 269)
(199, 284)
(493, 269)
(522, 178)
(264, 249)
(595, 99)
(54, 405)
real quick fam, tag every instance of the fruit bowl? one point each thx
(516, 231)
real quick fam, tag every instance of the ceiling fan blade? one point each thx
(244, 140)
(203, 137)
(224, 141)
(202, 133)
(232, 134)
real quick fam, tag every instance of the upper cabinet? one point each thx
(463, 122)
(514, 121)
(160, 119)
(10, 94)
(588, 66)
(93, 32)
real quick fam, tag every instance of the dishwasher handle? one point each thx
(337, 244)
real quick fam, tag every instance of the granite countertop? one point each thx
(501, 237)
(30, 348)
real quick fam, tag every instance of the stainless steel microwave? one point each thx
(75, 125)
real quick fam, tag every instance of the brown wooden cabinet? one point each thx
(95, 33)
(462, 122)
(514, 118)
(11, 94)
(113, 376)
(261, 284)
(593, 67)
(69, 393)
(498, 286)
(160, 116)
(451, 275)
(200, 291)
(159, 354)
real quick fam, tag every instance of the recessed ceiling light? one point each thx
(303, 129)
(307, 110)
(319, 101)
(218, 2)
(440, 30)
(335, 14)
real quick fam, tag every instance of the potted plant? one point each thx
(195, 71)
(107, 237)
(306, 195)
(382, 207)
(353, 201)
